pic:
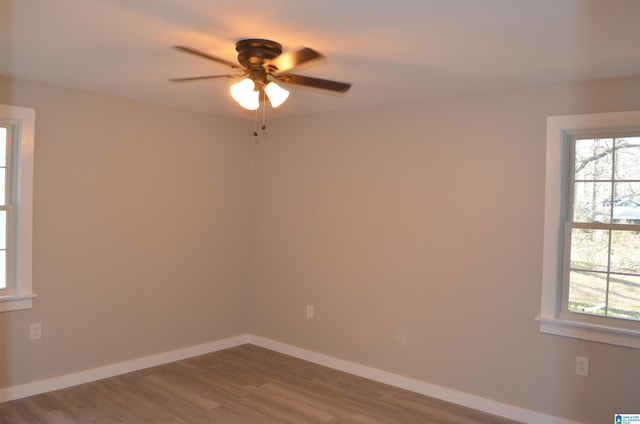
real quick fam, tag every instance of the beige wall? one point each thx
(140, 232)
(416, 231)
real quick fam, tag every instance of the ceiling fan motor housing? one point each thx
(254, 52)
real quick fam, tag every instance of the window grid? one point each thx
(584, 221)
(6, 221)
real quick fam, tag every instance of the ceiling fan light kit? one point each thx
(261, 63)
(276, 94)
(245, 93)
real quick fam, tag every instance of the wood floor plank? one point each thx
(241, 385)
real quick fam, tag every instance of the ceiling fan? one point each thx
(260, 64)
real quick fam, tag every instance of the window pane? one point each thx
(589, 249)
(593, 159)
(3, 146)
(3, 230)
(625, 252)
(588, 292)
(3, 197)
(592, 202)
(624, 297)
(627, 158)
(626, 207)
(3, 269)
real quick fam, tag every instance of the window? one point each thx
(16, 199)
(591, 256)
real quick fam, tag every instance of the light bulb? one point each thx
(244, 93)
(277, 95)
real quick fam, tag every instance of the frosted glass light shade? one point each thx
(277, 95)
(244, 93)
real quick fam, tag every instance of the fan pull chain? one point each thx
(264, 114)
(264, 110)
(255, 124)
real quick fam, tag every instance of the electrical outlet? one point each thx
(310, 311)
(36, 331)
(582, 366)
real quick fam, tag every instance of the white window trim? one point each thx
(555, 192)
(23, 297)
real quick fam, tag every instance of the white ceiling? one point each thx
(393, 51)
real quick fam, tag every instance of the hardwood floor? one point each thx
(245, 384)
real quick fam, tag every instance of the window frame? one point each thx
(19, 293)
(552, 318)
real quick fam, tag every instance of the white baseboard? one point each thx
(68, 380)
(417, 386)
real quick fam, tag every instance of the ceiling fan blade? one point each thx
(204, 55)
(290, 60)
(341, 87)
(203, 78)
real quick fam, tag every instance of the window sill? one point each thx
(16, 302)
(592, 332)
